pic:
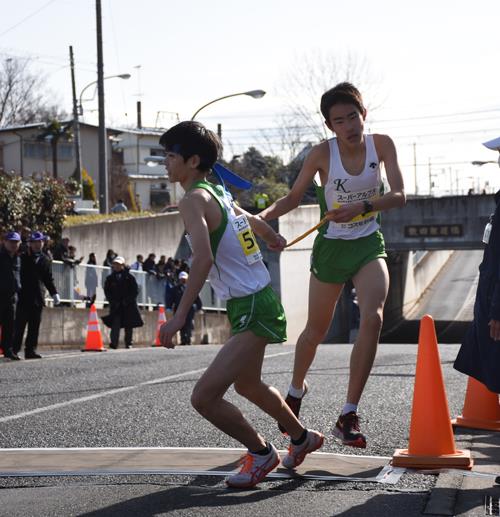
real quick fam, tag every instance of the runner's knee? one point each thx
(200, 401)
(244, 389)
(312, 336)
(373, 320)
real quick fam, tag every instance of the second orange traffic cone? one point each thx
(93, 343)
(481, 408)
(161, 320)
(431, 444)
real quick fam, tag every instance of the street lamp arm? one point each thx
(121, 76)
(256, 94)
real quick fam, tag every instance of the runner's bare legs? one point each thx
(372, 284)
(322, 300)
(240, 362)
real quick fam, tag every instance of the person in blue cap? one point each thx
(479, 355)
(10, 285)
(36, 272)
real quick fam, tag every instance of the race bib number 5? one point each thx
(247, 239)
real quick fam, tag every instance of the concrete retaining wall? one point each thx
(160, 234)
(64, 327)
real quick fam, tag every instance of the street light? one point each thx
(121, 76)
(76, 113)
(256, 94)
(479, 163)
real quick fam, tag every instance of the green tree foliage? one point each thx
(53, 132)
(39, 205)
(88, 186)
(267, 173)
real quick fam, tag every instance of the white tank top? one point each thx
(238, 269)
(343, 188)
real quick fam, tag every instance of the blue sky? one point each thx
(435, 65)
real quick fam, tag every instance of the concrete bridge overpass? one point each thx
(438, 223)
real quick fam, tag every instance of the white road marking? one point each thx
(71, 402)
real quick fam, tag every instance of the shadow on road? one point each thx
(407, 332)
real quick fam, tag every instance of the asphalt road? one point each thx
(140, 398)
(449, 300)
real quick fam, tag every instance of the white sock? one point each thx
(348, 407)
(298, 393)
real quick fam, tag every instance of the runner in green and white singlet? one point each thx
(224, 249)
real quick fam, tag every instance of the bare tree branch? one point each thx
(313, 74)
(23, 96)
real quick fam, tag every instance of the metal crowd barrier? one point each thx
(76, 284)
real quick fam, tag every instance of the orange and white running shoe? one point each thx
(297, 453)
(254, 468)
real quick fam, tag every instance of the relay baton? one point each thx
(304, 235)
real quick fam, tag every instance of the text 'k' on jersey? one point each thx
(238, 269)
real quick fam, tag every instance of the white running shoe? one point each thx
(297, 453)
(254, 468)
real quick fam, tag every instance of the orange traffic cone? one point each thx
(93, 343)
(481, 408)
(161, 320)
(432, 444)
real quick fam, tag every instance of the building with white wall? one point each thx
(23, 152)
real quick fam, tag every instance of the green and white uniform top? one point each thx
(238, 269)
(343, 188)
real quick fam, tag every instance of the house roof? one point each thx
(41, 124)
(142, 131)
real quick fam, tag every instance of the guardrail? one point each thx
(76, 284)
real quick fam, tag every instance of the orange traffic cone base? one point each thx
(475, 423)
(93, 342)
(458, 460)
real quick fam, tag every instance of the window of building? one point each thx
(36, 150)
(43, 150)
(157, 151)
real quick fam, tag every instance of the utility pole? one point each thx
(415, 167)
(76, 125)
(430, 177)
(103, 166)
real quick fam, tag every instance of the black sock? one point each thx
(301, 439)
(264, 451)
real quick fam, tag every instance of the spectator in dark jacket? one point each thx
(61, 250)
(149, 265)
(188, 327)
(121, 292)
(36, 272)
(479, 355)
(108, 261)
(10, 285)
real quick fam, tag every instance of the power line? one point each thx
(27, 18)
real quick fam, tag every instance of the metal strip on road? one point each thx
(114, 391)
(196, 461)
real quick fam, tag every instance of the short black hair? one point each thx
(191, 138)
(342, 93)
